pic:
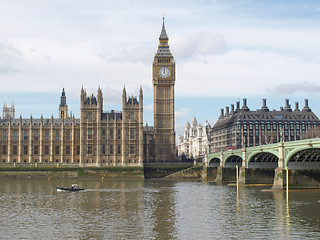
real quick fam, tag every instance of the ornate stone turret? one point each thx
(8, 111)
(83, 96)
(100, 99)
(124, 96)
(63, 99)
(141, 97)
(90, 127)
(132, 137)
(63, 107)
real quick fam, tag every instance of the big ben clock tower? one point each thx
(163, 100)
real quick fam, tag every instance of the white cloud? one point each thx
(201, 44)
(142, 52)
(10, 58)
(291, 88)
(241, 72)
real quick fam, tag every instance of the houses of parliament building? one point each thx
(99, 138)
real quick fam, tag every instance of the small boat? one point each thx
(73, 188)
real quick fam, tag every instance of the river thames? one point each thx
(154, 209)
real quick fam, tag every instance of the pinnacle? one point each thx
(163, 34)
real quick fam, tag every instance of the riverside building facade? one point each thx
(195, 142)
(241, 127)
(99, 138)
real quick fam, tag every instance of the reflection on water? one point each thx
(137, 209)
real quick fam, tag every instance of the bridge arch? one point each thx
(262, 160)
(214, 162)
(303, 158)
(232, 161)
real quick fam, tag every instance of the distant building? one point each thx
(8, 112)
(241, 127)
(195, 142)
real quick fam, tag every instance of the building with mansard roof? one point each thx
(99, 138)
(239, 127)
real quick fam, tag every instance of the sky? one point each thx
(224, 51)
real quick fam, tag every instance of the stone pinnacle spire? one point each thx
(163, 35)
(63, 99)
(163, 48)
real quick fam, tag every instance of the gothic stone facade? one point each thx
(100, 138)
(97, 138)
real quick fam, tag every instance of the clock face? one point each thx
(164, 72)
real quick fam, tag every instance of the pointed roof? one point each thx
(194, 121)
(63, 98)
(163, 35)
(163, 47)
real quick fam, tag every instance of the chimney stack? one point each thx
(264, 105)
(245, 107)
(306, 107)
(287, 107)
(244, 102)
(221, 112)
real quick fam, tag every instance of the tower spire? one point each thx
(163, 35)
(63, 107)
(163, 48)
(63, 99)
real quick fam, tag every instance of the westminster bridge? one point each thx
(268, 164)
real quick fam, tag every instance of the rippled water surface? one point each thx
(150, 209)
